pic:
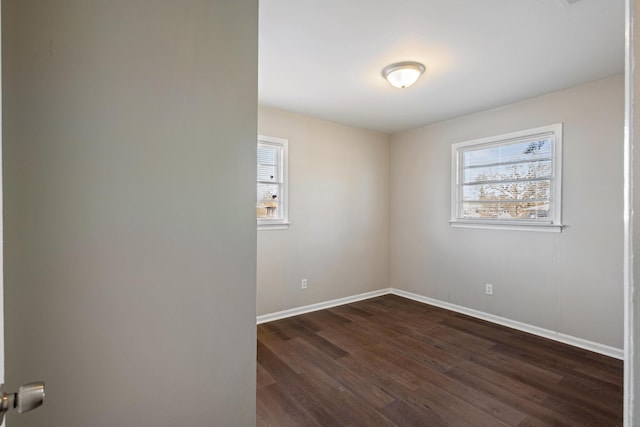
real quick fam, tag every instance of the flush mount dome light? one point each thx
(403, 74)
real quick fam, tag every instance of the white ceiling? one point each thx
(324, 58)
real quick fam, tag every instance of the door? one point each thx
(29, 396)
(129, 224)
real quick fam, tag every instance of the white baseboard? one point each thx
(320, 306)
(606, 350)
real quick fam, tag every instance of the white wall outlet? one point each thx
(488, 289)
(304, 284)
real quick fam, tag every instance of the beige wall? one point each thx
(570, 282)
(339, 213)
(130, 240)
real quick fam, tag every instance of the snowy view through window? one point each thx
(510, 181)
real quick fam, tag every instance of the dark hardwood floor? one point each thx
(390, 361)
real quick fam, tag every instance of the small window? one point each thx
(509, 181)
(271, 205)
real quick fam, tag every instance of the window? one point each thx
(271, 206)
(510, 181)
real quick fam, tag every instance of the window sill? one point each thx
(273, 226)
(497, 225)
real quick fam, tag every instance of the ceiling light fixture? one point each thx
(403, 74)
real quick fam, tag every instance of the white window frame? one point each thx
(554, 224)
(283, 198)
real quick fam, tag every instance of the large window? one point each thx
(509, 181)
(271, 205)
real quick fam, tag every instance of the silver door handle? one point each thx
(28, 397)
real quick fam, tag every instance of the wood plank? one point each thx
(295, 389)
(390, 361)
(275, 408)
(263, 378)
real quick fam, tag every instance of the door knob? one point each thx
(28, 397)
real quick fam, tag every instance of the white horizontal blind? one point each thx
(509, 180)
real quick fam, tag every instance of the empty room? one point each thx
(292, 213)
(440, 213)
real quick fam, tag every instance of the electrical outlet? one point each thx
(304, 284)
(488, 289)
